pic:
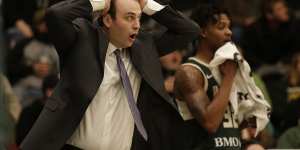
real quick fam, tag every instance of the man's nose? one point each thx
(136, 24)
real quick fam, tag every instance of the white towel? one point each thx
(246, 98)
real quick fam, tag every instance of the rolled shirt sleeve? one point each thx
(152, 7)
(97, 4)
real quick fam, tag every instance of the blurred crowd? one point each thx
(265, 30)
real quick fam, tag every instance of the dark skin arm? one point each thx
(189, 87)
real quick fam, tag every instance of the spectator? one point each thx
(30, 88)
(9, 113)
(20, 14)
(290, 139)
(31, 113)
(293, 93)
(12, 101)
(273, 37)
(21, 58)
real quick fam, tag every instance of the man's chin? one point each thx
(126, 45)
(129, 44)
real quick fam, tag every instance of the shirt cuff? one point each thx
(152, 7)
(98, 4)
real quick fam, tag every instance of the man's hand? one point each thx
(24, 28)
(142, 3)
(101, 6)
(106, 7)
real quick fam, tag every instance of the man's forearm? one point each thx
(181, 30)
(59, 19)
(69, 10)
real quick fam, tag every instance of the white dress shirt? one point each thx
(107, 123)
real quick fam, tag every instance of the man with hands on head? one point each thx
(111, 94)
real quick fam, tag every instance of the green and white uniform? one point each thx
(227, 137)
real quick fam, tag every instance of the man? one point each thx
(31, 113)
(209, 119)
(272, 39)
(269, 45)
(91, 107)
(10, 109)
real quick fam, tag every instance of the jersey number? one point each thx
(229, 121)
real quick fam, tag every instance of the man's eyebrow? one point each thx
(134, 14)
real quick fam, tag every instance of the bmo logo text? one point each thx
(227, 142)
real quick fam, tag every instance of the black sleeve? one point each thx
(180, 30)
(59, 19)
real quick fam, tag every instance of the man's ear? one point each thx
(107, 20)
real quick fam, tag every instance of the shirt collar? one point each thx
(112, 48)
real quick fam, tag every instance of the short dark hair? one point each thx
(207, 14)
(112, 12)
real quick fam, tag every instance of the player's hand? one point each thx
(228, 69)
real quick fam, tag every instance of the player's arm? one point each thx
(189, 87)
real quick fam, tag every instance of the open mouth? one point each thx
(132, 36)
